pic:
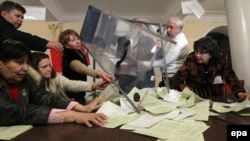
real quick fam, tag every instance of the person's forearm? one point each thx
(71, 105)
(82, 68)
(69, 116)
(55, 118)
(80, 108)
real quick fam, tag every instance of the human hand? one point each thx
(95, 104)
(243, 96)
(100, 85)
(55, 45)
(90, 119)
(108, 12)
(158, 43)
(105, 76)
(142, 20)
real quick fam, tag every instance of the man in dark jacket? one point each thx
(22, 102)
(11, 19)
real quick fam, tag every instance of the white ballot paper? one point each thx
(173, 96)
(109, 109)
(148, 119)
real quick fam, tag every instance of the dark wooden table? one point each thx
(217, 130)
(76, 132)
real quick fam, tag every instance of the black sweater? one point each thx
(7, 30)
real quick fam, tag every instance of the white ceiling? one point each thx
(154, 10)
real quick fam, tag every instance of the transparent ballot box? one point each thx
(123, 48)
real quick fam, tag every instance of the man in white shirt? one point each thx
(175, 54)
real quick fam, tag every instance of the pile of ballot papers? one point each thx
(177, 116)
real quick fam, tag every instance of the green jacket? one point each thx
(33, 107)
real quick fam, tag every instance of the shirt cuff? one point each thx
(71, 105)
(54, 118)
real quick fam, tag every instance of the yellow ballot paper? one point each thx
(223, 108)
(10, 132)
(119, 119)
